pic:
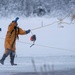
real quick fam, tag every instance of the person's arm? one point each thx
(22, 32)
(13, 24)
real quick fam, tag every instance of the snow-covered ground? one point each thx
(52, 40)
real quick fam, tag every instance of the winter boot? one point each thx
(2, 60)
(12, 61)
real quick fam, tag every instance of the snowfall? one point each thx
(54, 48)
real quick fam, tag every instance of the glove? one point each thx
(16, 19)
(0, 29)
(28, 31)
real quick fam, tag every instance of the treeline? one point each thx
(35, 7)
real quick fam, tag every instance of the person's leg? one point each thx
(7, 52)
(12, 56)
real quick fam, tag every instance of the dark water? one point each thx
(64, 72)
(39, 64)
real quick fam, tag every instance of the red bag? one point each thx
(33, 38)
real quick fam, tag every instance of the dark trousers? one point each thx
(12, 56)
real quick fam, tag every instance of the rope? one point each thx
(59, 22)
(49, 46)
(67, 14)
(45, 46)
(44, 25)
(55, 48)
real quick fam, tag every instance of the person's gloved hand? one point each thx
(16, 19)
(0, 29)
(28, 31)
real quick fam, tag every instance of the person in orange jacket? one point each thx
(10, 41)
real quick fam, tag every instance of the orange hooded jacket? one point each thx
(11, 36)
